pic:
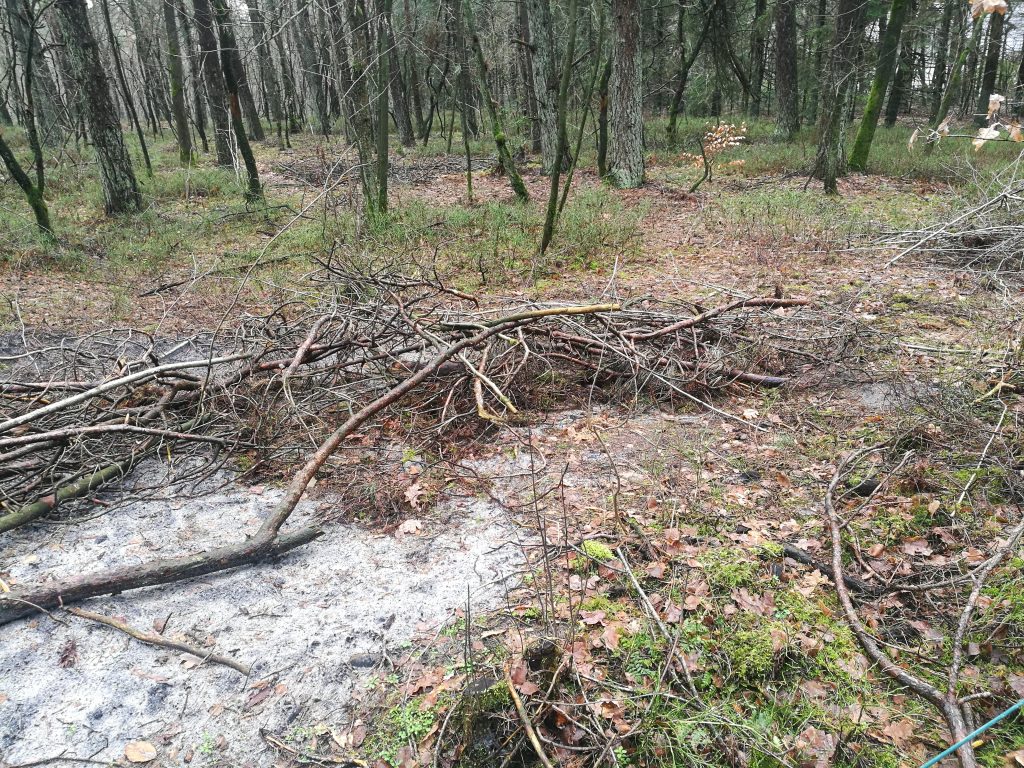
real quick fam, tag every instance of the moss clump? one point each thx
(751, 652)
(402, 724)
(597, 550)
(727, 569)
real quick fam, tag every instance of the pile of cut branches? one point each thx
(986, 238)
(79, 414)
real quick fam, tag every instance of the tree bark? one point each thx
(938, 83)
(254, 190)
(126, 92)
(787, 86)
(213, 77)
(625, 116)
(991, 68)
(545, 83)
(954, 83)
(120, 189)
(265, 62)
(883, 73)
(830, 161)
(176, 75)
(226, 25)
(32, 193)
(311, 72)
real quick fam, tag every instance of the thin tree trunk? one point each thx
(125, 90)
(265, 61)
(758, 50)
(830, 161)
(602, 119)
(226, 23)
(175, 72)
(814, 83)
(562, 106)
(254, 190)
(120, 189)
(941, 55)
(383, 77)
(954, 83)
(686, 62)
(991, 68)
(625, 116)
(32, 193)
(213, 77)
(396, 86)
(883, 73)
(500, 139)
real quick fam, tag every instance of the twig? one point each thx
(152, 639)
(525, 719)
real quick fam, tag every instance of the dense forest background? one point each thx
(528, 74)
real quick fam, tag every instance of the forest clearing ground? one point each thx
(714, 498)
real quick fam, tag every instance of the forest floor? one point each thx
(361, 642)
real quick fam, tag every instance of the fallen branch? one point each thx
(524, 717)
(150, 638)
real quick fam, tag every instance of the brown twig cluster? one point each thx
(77, 415)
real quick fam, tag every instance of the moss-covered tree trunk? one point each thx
(33, 194)
(883, 73)
(213, 78)
(508, 164)
(176, 75)
(120, 189)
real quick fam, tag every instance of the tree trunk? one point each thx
(463, 80)
(265, 62)
(24, 37)
(602, 120)
(814, 83)
(686, 62)
(254, 190)
(176, 74)
(545, 83)
(991, 68)
(625, 117)
(125, 90)
(758, 49)
(396, 86)
(32, 193)
(830, 161)
(500, 138)
(194, 75)
(883, 73)
(941, 56)
(120, 189)
(226, 25)
(311, 72)
(787, 85)
(213, 77)
(954, 83)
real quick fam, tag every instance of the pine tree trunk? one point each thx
(787, 86)
(830, 161)
(213, 77)
(883, 73)
(120, 189)
(545, 82)
(625, 92)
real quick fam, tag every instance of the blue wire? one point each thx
(977, 732)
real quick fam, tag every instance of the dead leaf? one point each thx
(916, 547)
(139, 752)
(412, 495)
(901, 732)
(410, 527)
